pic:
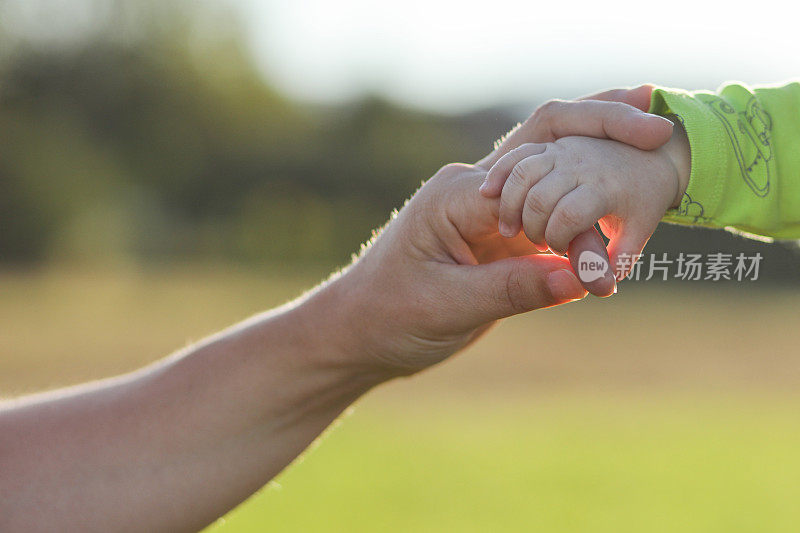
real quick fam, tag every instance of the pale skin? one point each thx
(176, 445)
(555, 191)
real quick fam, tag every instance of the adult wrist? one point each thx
(334, 336)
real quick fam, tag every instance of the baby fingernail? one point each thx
(505, 230)
(564, 285)
(484, 186)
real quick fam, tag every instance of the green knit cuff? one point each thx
(709, 155)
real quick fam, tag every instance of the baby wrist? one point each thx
(678, 152)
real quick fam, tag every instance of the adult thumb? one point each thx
(517, 285)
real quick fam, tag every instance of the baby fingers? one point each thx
(540, 201)
(575, 213)
(525, 175)
(500, 171)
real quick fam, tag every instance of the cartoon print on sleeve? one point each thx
(749, 132)
(691, 208)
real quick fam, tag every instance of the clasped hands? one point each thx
(470, 246)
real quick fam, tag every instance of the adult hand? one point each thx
(617, 114)
(440, 274)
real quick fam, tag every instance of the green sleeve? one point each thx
(745, 145)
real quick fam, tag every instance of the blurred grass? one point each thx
(573, 464)
(668, 409)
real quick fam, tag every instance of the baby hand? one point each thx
(555, 191)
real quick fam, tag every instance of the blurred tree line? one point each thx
(142, 129)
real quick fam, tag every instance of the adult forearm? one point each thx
(176, 445)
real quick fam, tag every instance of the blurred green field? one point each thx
(573, 464)
(662, 409)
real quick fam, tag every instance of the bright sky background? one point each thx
(457, 56)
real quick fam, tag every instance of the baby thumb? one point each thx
(625, 248)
